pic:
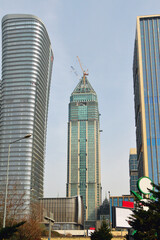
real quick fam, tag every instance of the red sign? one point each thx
(127, 204)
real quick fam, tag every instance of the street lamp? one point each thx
(5, 202)
(51, 221)
(109, 210)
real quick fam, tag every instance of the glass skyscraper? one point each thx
(133, 169)
(26, 73)
(146, 75)
(83, 173)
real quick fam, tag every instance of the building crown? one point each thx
(83, 88)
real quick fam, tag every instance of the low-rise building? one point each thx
(117, 201)
(67, 212)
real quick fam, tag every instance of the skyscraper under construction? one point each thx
(83, 165)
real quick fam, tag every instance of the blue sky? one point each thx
(102, 34)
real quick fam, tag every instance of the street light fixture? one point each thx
(51, 221)
(6, 190)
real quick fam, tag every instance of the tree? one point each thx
(8, 232)
(103, 233)
(17, 211)
(146, 223)
(15, 205)
(32, 229)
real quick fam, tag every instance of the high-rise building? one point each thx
(146, 75)
(133, 169)
(83, 166)
(27, 60)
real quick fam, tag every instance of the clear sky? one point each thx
(102, 34)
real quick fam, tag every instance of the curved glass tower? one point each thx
(26, 73)
(83, 167)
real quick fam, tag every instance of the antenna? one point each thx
(84, 72)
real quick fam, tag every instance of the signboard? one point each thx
(90, 231)
(127, 204)
(144, 185)
(121, 217)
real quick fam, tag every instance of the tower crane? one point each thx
(85, 73)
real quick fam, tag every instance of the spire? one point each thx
(84, 87)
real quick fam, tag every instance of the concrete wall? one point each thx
(80, 238)
(117, 235)
(68, 238)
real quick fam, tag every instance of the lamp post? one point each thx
(109, 211)
(51, 221)
(6, 189)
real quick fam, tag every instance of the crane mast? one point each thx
(84, 72)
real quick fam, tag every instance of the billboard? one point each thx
(121, 217)
(90, 231)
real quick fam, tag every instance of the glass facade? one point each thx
(26, 73)
(146, 73)
(83, 173)
(68, 213)
(133, 169)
